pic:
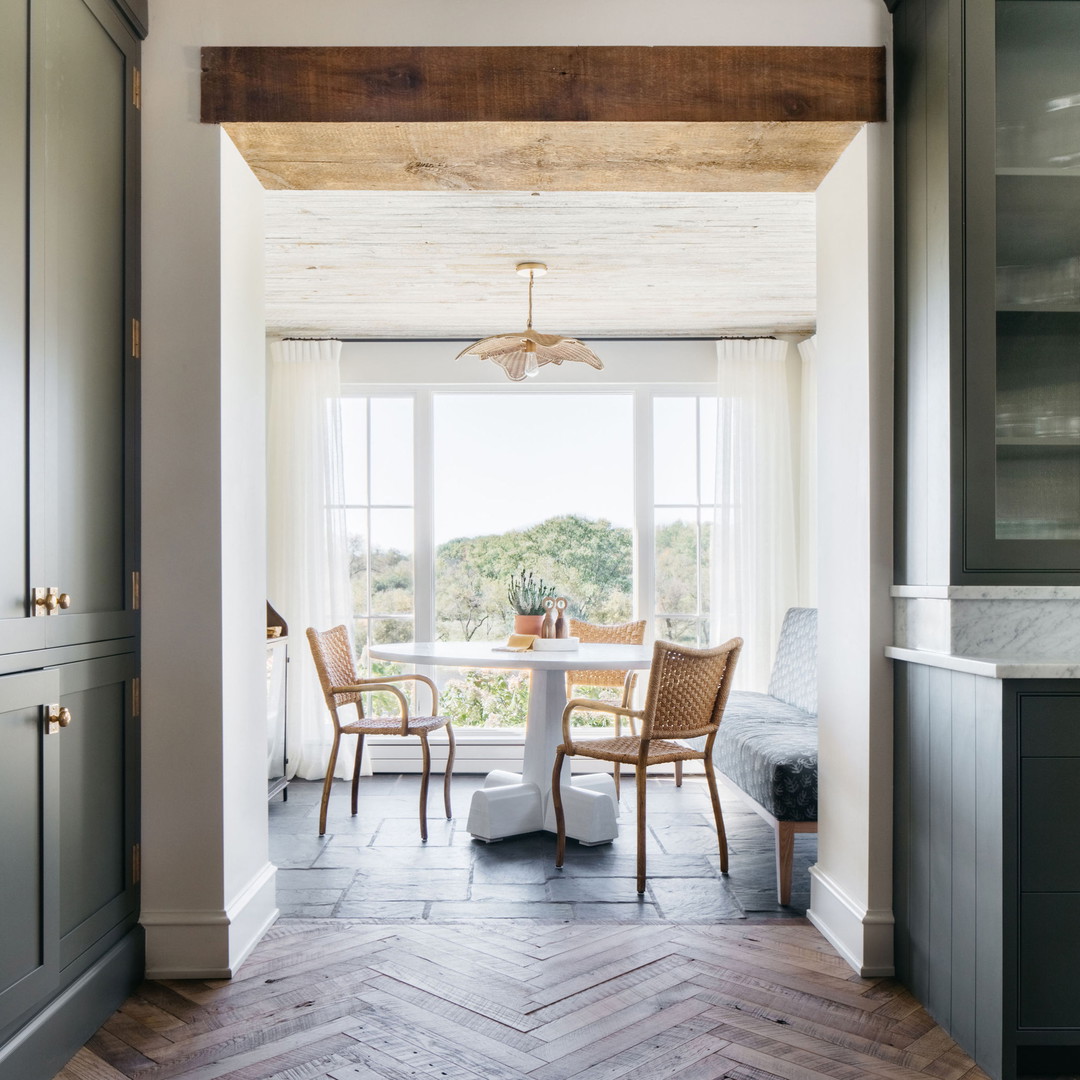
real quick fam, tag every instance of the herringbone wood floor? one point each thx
(503, 999)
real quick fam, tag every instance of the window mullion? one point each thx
(644, 511)
(424, 515)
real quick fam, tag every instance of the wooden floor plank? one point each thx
(509, 1039)
(467, 1040)
(86, 1065)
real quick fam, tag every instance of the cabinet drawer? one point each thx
(1049, 725)
(1049, 957)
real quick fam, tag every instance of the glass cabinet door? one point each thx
(1036, 287)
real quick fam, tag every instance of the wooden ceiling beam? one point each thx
(404, 84)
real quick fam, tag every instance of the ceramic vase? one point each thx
(528, 624)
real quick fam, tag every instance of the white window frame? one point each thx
(643, 530)
(370, 505)
(703, 508)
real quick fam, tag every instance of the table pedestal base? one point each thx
(507, 806)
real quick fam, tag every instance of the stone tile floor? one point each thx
(374, 866)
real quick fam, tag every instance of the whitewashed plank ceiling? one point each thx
(440, 264)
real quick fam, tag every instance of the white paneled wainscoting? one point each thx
(479, 750)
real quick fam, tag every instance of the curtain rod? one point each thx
(591, 337)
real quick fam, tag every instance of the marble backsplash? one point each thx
(1024, 622)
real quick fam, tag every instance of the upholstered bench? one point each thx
(767, 743)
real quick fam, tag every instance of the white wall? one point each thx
(207, 884)
(851, 892)
(373, 363)
(520, 22)
(205, 896)
(249, 876)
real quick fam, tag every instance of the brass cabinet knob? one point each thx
(49, 600)
(63, 717)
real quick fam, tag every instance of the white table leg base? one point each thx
(507, 807)
(590, 808)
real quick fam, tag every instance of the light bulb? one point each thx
(531, 366)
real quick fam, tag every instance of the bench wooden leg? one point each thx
(785, 857)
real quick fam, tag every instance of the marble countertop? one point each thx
(996, 667)
(986, 592)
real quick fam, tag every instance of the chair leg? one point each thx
(678, 774)
(718, 814)
(618, 768)
(426, 750)
(356, 772)
(639, 775)
(785, 856)
(328, 783)
(449, 770)
(556, 802)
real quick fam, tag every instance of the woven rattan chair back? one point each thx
(332, 652)
(630, 633)
(688, 689)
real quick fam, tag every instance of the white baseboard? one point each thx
(210, 944)
(862, 936)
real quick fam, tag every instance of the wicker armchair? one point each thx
(341, 685)
(688, 689)
(631, 633)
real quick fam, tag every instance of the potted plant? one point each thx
(526, 594)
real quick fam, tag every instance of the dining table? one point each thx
(511, 804)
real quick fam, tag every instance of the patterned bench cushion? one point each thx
(769, 749)
(794, 670)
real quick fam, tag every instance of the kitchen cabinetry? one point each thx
(986, 869)
(988, 242)
(69, 351)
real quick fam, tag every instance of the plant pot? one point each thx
(528, 624)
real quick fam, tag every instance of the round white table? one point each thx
(510, 804)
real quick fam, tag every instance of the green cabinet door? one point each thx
(82, 243)
(29, 944)
(96, 804)
(20, 560)
(1022, 289)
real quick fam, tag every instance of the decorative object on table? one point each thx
(517, 643)
(562, 644)
(560, 618)
(526, 594)
(548, 629)
(688, 690)
(332, 653)
(522, 354)
(630, 633)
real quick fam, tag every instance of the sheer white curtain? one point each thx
(808, 486)
(755, 529)
(307, 550)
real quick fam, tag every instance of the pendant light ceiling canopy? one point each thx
(522, 354)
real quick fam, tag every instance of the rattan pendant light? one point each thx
(523, 354)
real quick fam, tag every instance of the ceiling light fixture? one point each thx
(521, 355)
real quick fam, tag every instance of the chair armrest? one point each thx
(592, 705)
(368, 686)
(418, 678)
